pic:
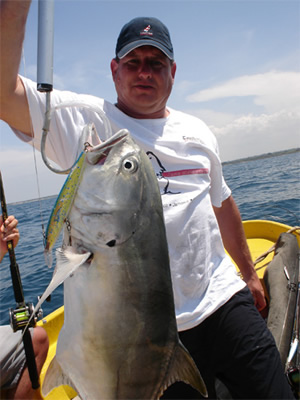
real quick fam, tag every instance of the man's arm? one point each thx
(234, 239)
(14, 107)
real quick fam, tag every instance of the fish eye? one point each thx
(130, 165)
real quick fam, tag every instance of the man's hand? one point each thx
(257, 291)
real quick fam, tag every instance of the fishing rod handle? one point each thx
(14, 268)
(30, 359)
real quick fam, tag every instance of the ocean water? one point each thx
(265, 188)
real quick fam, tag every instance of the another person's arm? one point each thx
(234, 239)
(8, 231)
(40, 342)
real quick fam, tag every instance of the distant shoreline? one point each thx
(240, 160)
(33, 200)
(259, 157)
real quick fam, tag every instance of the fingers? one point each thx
(261, 303)
(9, 224)
(12, 234)
(9, 230)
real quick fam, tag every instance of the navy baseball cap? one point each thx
(144, 31)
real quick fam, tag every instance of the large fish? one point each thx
(119, 339)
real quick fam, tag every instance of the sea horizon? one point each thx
(236, 161)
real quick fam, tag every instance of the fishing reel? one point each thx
(21, 316)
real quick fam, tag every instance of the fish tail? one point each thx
(184, 369)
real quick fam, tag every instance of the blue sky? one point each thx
(238, 69)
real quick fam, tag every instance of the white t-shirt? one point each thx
(184, 155)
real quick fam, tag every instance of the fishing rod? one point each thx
(45, 46)
(45, 78)
(20, 316)
(45, 69)
(45, 66)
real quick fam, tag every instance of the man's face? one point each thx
(143, 81)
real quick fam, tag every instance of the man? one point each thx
(216, 317)
(14, 376)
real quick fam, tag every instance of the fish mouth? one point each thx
(90, 259)
(99, 153)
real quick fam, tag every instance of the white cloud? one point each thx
(274, 90)
(19, 177)
(215, 118)
(252, 135)
(276, 128)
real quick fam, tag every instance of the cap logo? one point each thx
(146, 31)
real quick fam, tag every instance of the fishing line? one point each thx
(35, 159)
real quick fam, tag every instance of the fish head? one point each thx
(113, 191)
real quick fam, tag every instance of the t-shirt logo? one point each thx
(164, 176)
(160, 172)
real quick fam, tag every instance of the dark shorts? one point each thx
(235, 346)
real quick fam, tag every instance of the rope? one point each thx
(295, 230)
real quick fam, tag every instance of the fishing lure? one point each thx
(63, 203)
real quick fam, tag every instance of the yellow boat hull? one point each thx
(53, 324)
(261, 236)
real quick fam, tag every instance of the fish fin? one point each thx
(67, 263)
(54, 378)
(184, 369)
